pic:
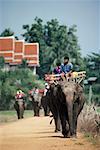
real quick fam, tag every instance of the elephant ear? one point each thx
(81, 96)
(79, 89)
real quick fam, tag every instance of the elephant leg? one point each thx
(34, 108)
(21, 112)
(56, 118)
(18, 113)
(65, 130)
(45, 111)
(48, 110)
(37, 109)
(16, 106)
(63, 119)
(57, 124)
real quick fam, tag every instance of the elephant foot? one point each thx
(46, 115)
(51, 115)
(18, 117)
(66, 134)
(57, 130)
(73, 136)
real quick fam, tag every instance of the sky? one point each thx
(84, 13)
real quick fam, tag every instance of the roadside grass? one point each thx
(11, 116)
(94, 140)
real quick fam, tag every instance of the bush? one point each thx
(95, 94)
(89, 120)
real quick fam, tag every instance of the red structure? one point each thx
(7, 48)
(31, 53)
(14, 51)
(18, 51)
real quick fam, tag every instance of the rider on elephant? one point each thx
(67, 66)
(57, 69)
(64, 70)
(46, 89)
(20, 96)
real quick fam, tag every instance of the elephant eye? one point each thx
(65, 85)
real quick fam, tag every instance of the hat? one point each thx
(17, 92)
(20, 91)
(46, 84)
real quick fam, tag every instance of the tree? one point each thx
(93, 65)
(7, 32)
(24, 64)
(2, 62)
(55, 41)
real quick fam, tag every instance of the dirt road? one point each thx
(37, 134)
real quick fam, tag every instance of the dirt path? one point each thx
(37, 134)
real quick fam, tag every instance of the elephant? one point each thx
(19, 107)
(67, 103)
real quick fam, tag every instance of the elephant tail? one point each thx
(51, 120)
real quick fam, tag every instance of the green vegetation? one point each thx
(10, 116)
(92, 67)
(94, 140)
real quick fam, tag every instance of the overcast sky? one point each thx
(84, 13)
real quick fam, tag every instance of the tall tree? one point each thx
(93, 65)
(7, 32)
(2, 62)
(55, 41)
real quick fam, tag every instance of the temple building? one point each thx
(14, 51)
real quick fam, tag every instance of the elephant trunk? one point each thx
(70, 117)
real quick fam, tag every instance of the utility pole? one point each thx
(91, 80)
